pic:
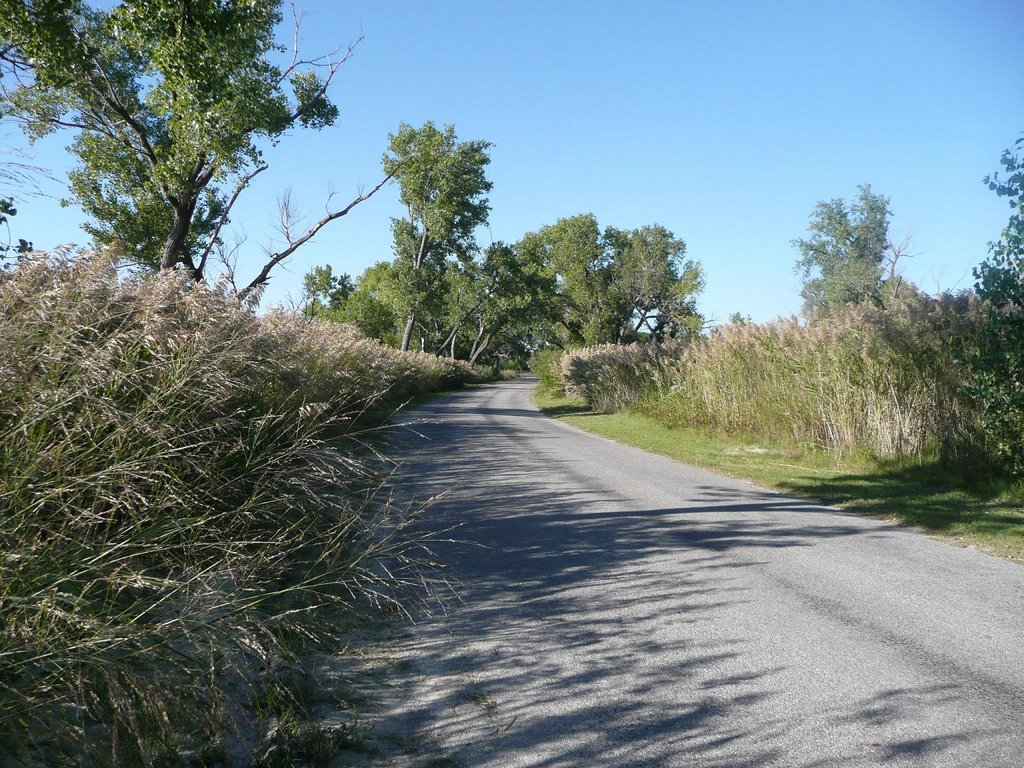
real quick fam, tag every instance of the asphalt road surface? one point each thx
(622, 609)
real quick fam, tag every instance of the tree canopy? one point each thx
(171, 104)
(567, 284)
(841, 261)
(620, 285)
(443, 188)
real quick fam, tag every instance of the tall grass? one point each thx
(611, 377)
(889, 382)
(180, 493)
(544, 364)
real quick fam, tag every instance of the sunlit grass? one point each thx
(965, 510)
(185, 490)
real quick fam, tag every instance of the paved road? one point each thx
(621, 609)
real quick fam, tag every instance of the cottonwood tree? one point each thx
(620, 285)
(577, 254)
(324, 292)
(492, 304)
(656, 285)
(170, 102)
(842, 260)
(443, 188)
(496, 300)
(377, 303)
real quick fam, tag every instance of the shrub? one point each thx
(544, 365)
(890, 382)
(998, 362)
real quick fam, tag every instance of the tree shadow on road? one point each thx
(929, 496)
(587, 620)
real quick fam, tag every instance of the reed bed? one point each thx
(889, 382)
(611, 377)
(182, 494)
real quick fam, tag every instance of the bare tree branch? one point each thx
(894, 252)
(228, 259)
(296, 26)
(294, 245)
(287, 215)
(324, 62)
(224, 217)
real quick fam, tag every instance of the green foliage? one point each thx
(7, 210)
(619, 286)
(170, 102)
(567, 283)
(488, 306)
(545, 365)
(323, 292)
(574, 249)
(998, 365)
(443, 188)
(376, 303)
(442, 181)
(841, 262)
(655, 284)
(457, 299)
(502, 297)
(181, 491)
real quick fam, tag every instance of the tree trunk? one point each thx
(416, 264)
(407, 335)
(455, 335)
(174, 245)
(422, 251)
(449, 340)
(479, 350)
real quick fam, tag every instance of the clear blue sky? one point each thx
(723, 121)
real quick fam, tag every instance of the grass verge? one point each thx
(957, 507)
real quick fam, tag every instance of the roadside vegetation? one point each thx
(188, 501)
(881, 399)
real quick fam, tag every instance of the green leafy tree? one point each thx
(620, 285)
(323, 292)
(376, 303)
(517, 323)
(658, 288)
(998, 365)
(842, 260)
(170, 102)
(443, 188)
(576, 252)
(497, 302)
